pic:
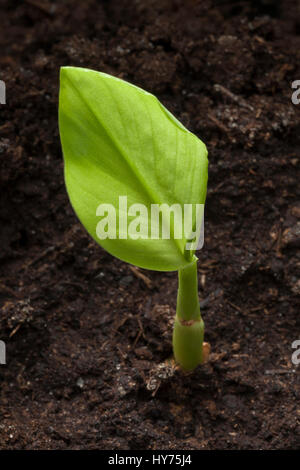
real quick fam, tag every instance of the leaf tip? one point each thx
(66, 72)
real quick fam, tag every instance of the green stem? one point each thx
(188, 330)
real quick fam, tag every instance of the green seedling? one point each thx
(121, 144)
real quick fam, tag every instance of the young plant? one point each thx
(123, 148)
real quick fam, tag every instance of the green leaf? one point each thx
(119, 140)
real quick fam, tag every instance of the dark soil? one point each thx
(86, 335)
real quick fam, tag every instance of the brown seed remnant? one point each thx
(206, 351)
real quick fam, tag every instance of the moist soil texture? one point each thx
(88, 337)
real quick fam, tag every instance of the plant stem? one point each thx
(188, 330)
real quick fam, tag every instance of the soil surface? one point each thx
(89, 337)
